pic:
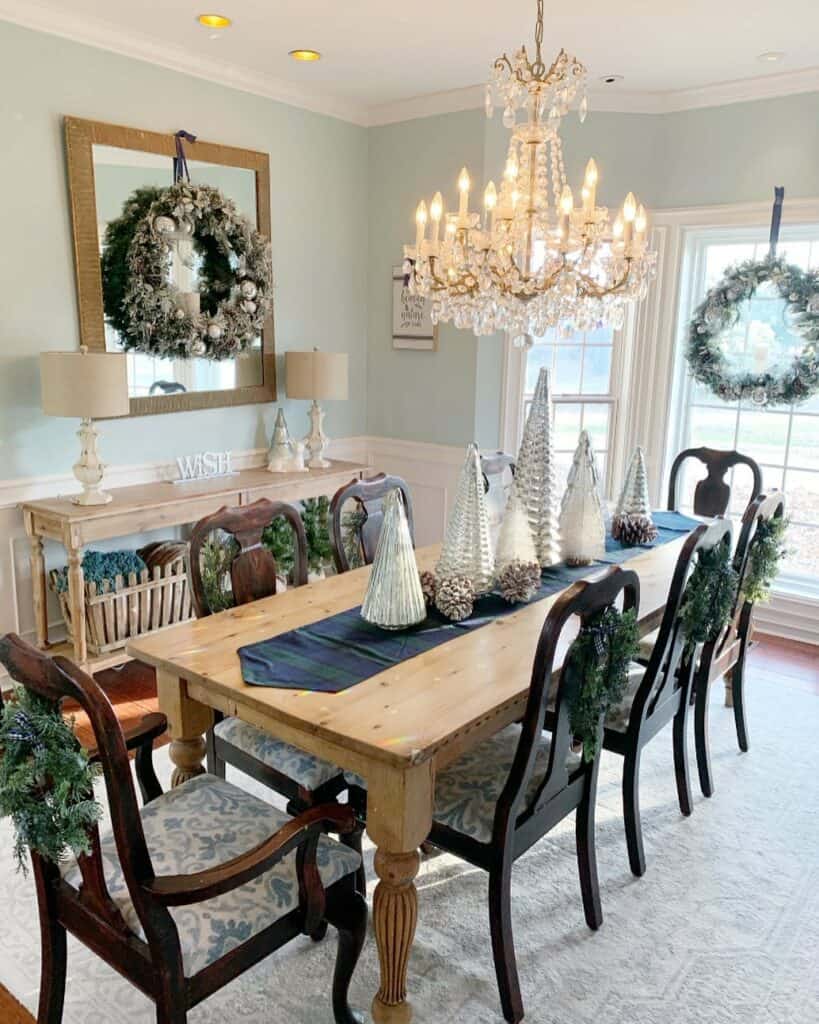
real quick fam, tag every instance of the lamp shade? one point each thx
(87, 385)
(316, 375)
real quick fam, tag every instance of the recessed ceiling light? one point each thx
(214, 21)
(611, 79)
(305, 55)
(771, 56)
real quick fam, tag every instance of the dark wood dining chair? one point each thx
(725, 655)
(495, 464)
(712, 495)
(249, 572)
(367, 496)
(154, 901)
(497, 800)
(659, 693)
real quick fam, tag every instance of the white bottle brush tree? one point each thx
(582, 525)
(517, 569)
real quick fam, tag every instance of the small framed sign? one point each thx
(412, 325)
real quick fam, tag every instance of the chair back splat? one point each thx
(712, 495)
(253, 568)
(368, 496)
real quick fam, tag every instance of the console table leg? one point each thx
(76, 597)
(38, 584)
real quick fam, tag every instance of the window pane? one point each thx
(763, 435)
(714, 428)
(567, 369)
(742, 481)
(538, 357)
(567, 425)
(802, 558)
(597, 370)
(802, 496)
(795, 252)
(596, 421)
(719, 257)
(804, 450)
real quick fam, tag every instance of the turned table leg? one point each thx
(38, 584)
(399, 816)
(187, 721)
(76, 598)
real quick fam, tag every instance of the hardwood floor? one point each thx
(132, 691)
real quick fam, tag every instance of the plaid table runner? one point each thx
(338, 652)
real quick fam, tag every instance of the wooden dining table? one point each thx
(396, 729)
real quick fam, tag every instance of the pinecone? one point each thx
(633, 530)
(519, 581)
(455, 597)
(429, 586)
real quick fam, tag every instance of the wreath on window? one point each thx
(233, 306)
(720, 311)
(215, 272)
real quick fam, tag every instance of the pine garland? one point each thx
(216, 558)
(46, 781)
(279, 540)
(709, 596)
(316, 518)
(351, 524)
(600, 657)
(766, 551)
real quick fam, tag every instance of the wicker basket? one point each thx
(156, 597)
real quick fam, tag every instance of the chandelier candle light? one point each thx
(536, 258)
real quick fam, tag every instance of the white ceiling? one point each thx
(379, 54)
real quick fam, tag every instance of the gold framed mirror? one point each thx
(107, 165)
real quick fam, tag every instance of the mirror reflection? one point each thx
(125, 176)
(764, 337)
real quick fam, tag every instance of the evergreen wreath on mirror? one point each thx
(600, 656)
(214, 270)
(766, 551)
(721, 310)
(709, 596)
(154, 318)
(46, 780)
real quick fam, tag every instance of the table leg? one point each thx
(399, 816)
(38, 583)
(187, 721)
(76, 598)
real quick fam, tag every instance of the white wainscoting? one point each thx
(431, 470)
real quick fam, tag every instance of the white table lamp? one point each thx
(88, 386)
(316, 376)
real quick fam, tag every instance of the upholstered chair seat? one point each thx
(619, 715)
(197, 826)
(304, 769)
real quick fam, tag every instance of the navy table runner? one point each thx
(338, 652)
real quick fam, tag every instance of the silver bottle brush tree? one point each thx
(394, 599)
(536, 477)
(632, 523)
(467, 549)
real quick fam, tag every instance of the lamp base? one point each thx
(317, 441)
(88, 469)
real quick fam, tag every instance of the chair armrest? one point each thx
(178, 890)
(146, 732)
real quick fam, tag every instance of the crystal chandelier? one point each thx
(535, 259)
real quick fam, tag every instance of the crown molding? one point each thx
(48, 18)
(105, 36)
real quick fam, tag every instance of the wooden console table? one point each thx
(142, 508)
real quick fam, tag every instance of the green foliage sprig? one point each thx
(104, 566)
(600, 657)
(279, 540)
(351, 524)
(316, 518)
(709, 596)
(766, 552)
(46, 781)
(216, 557)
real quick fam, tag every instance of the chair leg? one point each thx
(738, 694)
(631, 813)
(353, 840)
(351, 922)
(52, 973)
(149, 785)
(170, 1014)
(681, 767)
(503, 943)
(215, 764)
(701, 738)
(587, 855)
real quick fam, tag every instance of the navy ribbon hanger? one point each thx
(776, 219)
(180, 163)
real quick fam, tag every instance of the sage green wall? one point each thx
(725, 154)
(319, 208)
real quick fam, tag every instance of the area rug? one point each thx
(723, 928)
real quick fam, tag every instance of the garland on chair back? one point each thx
(46, 781)
(709, 596)
(600, 656)
(766, 551)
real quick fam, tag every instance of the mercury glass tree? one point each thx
(632, 522)
(280, 453)
(582, 526)
(394, 599)
(535, 475)
(467, 547)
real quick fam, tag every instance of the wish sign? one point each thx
(203, 466)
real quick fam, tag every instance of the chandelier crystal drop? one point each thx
(536, 258)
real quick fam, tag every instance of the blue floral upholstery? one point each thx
(200, 825)
(304, 769)
(467, 791)
(618, 717)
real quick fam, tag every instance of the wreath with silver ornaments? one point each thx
(155, 317)
(721, 310)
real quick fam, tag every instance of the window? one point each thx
(784, 441)
(584, 373)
